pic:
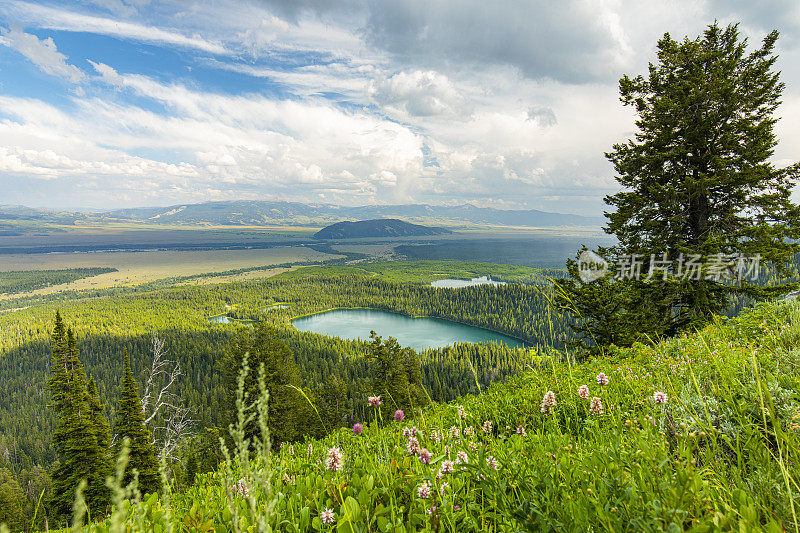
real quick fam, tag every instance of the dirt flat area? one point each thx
(140, 267)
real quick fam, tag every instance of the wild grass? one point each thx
(697, 433)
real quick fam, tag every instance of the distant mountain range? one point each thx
(259, 213)
(383, 227)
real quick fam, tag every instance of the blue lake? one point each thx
(418, 333)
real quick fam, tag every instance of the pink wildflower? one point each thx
(424, 491)
(399, 415)
(327, 516)
(660, 397)
(548, 402)
(583, 392)
(602, 379)
(491, 461)
(357, 429)
(242, 488)
(596, 406)
(335, 459)
(374, 401)
(425, 456)
(413, 446)
(487, 426)
(447, 467)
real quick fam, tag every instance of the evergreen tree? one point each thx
(99, 492)
(290, 415)
(697, 184)
(330, 398)
(396, 376)
(130, 423)
(191, 469)
(13, 503)
(75, 436)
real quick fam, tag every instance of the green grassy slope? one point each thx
(721, 453)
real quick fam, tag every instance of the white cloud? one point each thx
(42, 52)
(506, 103)
(421, 93)
(572, 41)
(59, 19)
(306, 150)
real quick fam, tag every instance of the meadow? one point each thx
(696, 433)
(131, 268)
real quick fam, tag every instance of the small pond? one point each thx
(225, 319)
(458, 283)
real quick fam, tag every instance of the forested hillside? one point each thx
(107, 327)
(658, 434)
(384, 227)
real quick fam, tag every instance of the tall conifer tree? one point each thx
(396, 376)
(99, 492)
(75, 437)
(130, 423)
(289, 413)
(699, 189)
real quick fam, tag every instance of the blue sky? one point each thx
(119, 103)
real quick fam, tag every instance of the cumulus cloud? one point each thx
(782, 15)
(303, 150)
(422, 93)
(41, 52)
(511, 103)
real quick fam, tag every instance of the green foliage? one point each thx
(75, 439)
(23, 281)
(129, 427)
(108, 326)
(719, 454)
(698, 180)
(290, 415)
(396, 377)
(13, 502)
(424, 272)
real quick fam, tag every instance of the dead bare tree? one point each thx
(170, 422)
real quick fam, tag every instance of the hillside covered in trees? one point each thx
(384, 227)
